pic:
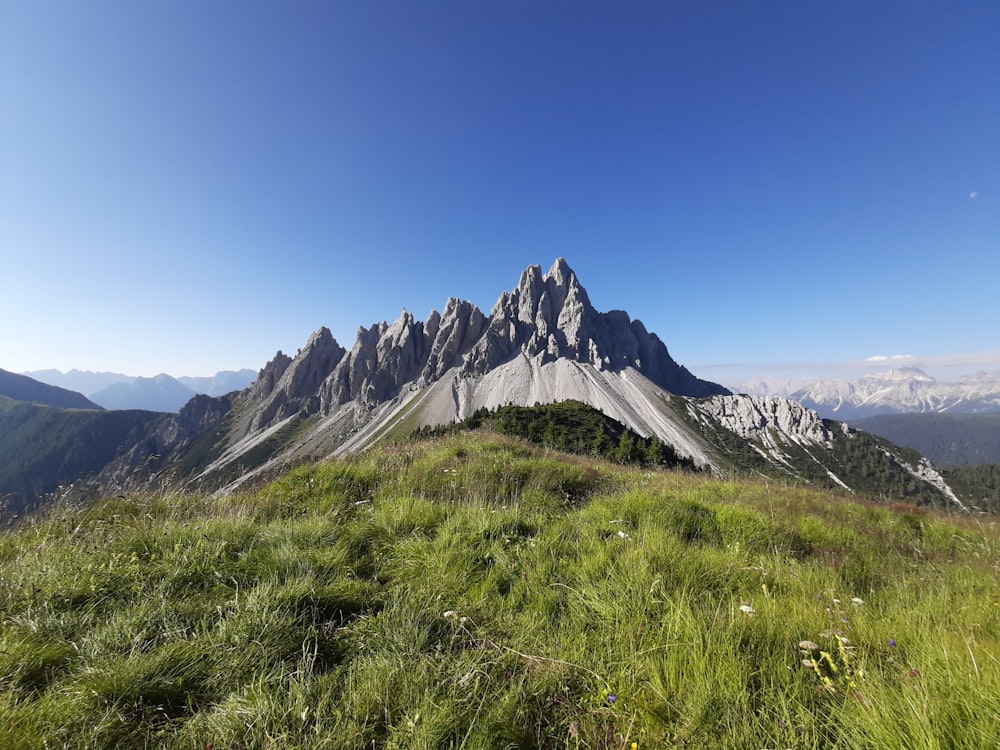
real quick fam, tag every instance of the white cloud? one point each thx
(881, 359)
(944, 367)
(973, 194)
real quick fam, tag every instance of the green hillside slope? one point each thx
(946, 439)
(42, 447)
(475, 591)
(23, 388)
(573, 427)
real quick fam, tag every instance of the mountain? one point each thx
(161, 393)
(83, 381)
(223, 382)
(897, 391)
(22, 388)
(946, 439)
(543, 342)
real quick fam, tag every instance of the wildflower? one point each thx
(748, 610)
(612, 698)
(892, 642)
(808, 646)
(623, 535)
(857, 602)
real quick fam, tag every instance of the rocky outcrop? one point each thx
(757, 417)
(547, 316)
(268, 377)
(387, 358)
(453, 334)
(296, 390)
(551, 317)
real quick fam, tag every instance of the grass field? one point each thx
(476, 592)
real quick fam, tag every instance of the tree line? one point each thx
(573, 427)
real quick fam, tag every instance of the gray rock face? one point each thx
(752, 417)
(547, 316)
(551, 316)
(385, 358)
(295, 391)
(269, 376)
(453, 334)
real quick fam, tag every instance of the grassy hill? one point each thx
(474, 591)
(43, 447)
(946, 439)
(22, 388)
(570, 426)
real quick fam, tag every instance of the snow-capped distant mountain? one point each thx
(901, 390)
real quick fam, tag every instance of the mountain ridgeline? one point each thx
(16, 387)
(113, 390)
(542, 343)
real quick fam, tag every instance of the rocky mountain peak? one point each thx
(550, 316)
(387, 357)
(269, 376)
(547, 317)
(296, 388)
(544, 301)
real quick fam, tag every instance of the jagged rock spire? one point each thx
(547, 316)
(385, 357)
(296, 389)
(551, 317)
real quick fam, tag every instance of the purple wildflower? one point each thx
(892, 642)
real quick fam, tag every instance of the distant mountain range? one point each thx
(112, 390)
(898, 391)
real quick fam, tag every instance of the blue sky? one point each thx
(775, 188)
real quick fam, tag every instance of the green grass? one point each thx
(477, 592)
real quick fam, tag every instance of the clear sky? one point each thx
(779, 188)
